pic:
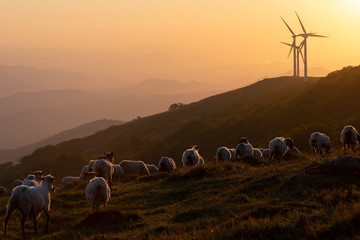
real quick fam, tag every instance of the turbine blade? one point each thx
(290, 51)
(288, 27)
(286, 44)
(316, 35)
(300, 22)
(302, 56)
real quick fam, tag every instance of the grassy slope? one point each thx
(243, 200)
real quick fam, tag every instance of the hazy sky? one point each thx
(207, 40)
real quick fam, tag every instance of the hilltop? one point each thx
(284, 106)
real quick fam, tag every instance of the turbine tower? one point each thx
(305, 35)
(293, 46)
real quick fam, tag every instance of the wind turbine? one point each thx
(305, 35)
(298, 52)
(293, 46)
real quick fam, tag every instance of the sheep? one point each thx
(222, 154)
(265, 152)
(233, 153)
(152, 168)
(31, 181)
(38, 176)
(279, 146)
(318, 141)
(104, 168)
(118, 172)
(17, 182)
(84, 170)
(31, 201)
(166, 164)
(244, 140)
(131, 167)
(97, 192)
(191, 157)
(244, 149)
(3, 192)
(349, 136)
(257, 153)
(85, 176)
(70, 179)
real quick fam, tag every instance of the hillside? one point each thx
(273, 107)
(13, 155)
(249, 199)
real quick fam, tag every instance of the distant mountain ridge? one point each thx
(13, 155)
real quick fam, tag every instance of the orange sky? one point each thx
(206, 40)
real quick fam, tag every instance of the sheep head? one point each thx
(289, 142)
(244, 140)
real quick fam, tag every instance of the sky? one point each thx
(128, 41)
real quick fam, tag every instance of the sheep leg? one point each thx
(110, 179)
(22, 224)
(47, 221)
(271, 156)
(314, 150)
(35, 223)
(7, 218)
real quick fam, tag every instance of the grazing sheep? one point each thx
(265, 152)
(97, 192)
(233, 153)
(152, 168)
(17, 182)
(31, 201)
(131, 167)
(85, 176)
(30, 183)
(318, 141)
(70, 179)
(349, 136)
(257, 153)
(166, 164)
(3, 192)
(118, 172)
(191, 157)
(244, 149)
(222, 154)
(279, 146)
(83, 170)
(38, 176)
(104, 168)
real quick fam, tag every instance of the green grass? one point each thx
(232, 200)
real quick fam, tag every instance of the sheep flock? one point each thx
(31, 196)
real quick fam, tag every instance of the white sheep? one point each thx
(257, 153)
(279, 146)
(233, 153)
(85, 176)
(118, 172)
(318, 141)
(104, 168)
(152, 168)
(131, 167)
(222, 154)
(97, 192)
(166, 164)
(244, 149)
(31, 201)
(349, 136)
(191, 157)
(265, 152)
